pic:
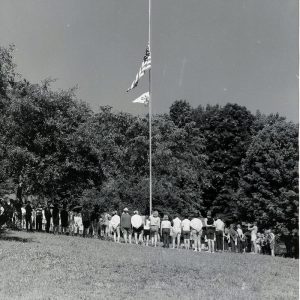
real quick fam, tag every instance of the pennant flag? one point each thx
(144, 98)
(146, 65)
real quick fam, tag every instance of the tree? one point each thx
(269, 178)
(228, 133)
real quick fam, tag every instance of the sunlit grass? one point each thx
(62, 267)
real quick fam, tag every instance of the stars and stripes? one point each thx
(146, 65)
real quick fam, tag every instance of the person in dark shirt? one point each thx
(55, 217)
(64, 219)
(48, 216)
(94, 228)
(28, 209)
(86, 220)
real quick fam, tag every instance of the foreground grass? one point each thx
(43, 266)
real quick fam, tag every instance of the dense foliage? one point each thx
(223, 159)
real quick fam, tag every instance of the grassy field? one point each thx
(43, 266)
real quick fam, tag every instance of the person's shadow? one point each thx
(6, 235)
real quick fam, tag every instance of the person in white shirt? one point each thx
(176, 232)
(196, 230)
(115, 226)
(137, 226)
(253, 230)
(220, 226)
(165, 231)
(186, 230)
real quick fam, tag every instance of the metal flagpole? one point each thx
(150, 118)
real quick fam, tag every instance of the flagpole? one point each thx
(150, 118)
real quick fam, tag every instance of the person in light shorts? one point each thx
(176, 232)
(196, 231)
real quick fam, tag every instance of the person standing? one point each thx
(176, 230)
(55, 218)
(186, 232)
(28, 209)
(126, 225)
(147, 230)
(86, 220)
(240, 239)
(271, 241)
(154, 227)
(220, 226)
(233, 238)
(253, 229)
(39, 217)
(210, 232)
(115, 226)
(64, 218)
(165, 231)
(48, 216)
(137, 226)
(196, 230)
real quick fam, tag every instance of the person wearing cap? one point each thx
(115, 226)
(154, 227)
(165, 230)
(126, 225)
(137, 226)
(176, 232)
(196, 231)
(186, 231)
(210, 232)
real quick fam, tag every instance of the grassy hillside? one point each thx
(43, 266)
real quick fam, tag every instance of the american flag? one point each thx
(146, 65)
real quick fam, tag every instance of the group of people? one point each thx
(191, 232)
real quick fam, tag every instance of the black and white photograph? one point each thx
(149, 149)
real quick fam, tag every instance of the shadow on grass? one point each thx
(5, 235)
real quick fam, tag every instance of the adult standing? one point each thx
(196, 230)
(186, 232)
(28, 209)
(253, 229)
(210, 232)
(165, 231)
(86, 220)
(220, 226)
(154, 227)
(233, 238)
(176, 232)
(137, 226)
(55, 218)
(240, 239)
(126, 225)
(39, 217)
(64, 218)
(48, 216)
(115, 226)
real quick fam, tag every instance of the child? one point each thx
(154, 227)
(147, 230)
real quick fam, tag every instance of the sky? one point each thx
(203, 51)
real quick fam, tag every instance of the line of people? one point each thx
(194, 232)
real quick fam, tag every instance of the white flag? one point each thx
(144, 98)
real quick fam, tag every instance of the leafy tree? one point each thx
(269, 178)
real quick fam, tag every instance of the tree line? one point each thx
(225, 159)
